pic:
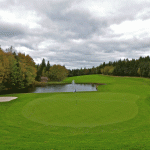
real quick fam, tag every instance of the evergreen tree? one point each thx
(48, 66)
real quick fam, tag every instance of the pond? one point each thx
(64, 88)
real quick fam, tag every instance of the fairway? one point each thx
(82, 109)
(117, 116)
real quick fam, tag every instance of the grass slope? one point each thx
(115, 117)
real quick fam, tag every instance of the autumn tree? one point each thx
(17, 71)
(107, 70)
(27, 69)
(57, 73)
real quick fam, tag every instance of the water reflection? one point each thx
(64, 88)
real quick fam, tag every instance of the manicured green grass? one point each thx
(117, 116)
(82, 110)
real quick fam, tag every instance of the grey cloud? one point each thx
(62, 27)
(145, 16)
(127, 11)
(80, 23)
(8, 30)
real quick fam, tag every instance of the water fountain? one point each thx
(73, 83)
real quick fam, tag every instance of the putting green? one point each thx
(82, 109)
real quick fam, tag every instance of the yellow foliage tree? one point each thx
(57, 73)
(107, 70)
(16, 71)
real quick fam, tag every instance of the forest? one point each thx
(135, 67)
(53, 73)
(19, 71)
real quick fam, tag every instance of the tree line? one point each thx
(18, 71)
(135, 67)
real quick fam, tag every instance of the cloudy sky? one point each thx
(76, 33)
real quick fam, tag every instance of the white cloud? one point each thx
(28, 19)
(132, 27)
(79, 33)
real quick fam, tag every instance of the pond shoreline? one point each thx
(63, 83)
(43, 84)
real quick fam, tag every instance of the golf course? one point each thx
(116, 116)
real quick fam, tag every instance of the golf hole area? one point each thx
(82, 109)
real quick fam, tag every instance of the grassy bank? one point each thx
(47, 83)
(115, 117)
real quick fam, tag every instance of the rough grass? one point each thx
(115, 117)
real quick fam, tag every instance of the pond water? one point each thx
(64, 88)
